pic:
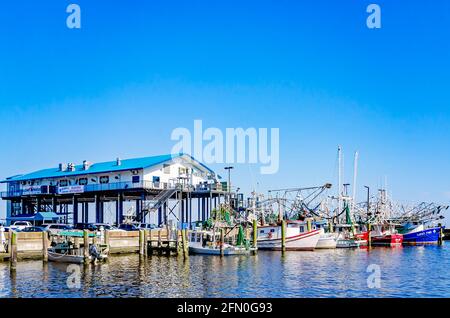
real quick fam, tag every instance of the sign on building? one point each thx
(71, 189)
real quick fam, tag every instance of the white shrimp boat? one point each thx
(326, 240)
(298, 238)
(208, 243)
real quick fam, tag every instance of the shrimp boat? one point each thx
(420, 235)
(298, 238)
(209, 243)
(348, 239)
(388, 237)
(326, 240)
(66, 252)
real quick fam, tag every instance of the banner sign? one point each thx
(32, 190)
(71, 189)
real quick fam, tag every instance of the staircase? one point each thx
(157, 202)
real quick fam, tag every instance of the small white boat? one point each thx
(326, 240)
(208, 243)
(65, 253)
(298, 238)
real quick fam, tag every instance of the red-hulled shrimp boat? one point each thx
(388, 237)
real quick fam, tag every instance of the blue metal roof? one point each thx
(40, 216)
(102, 167)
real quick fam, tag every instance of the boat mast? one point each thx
(355, 172)
(339, 185)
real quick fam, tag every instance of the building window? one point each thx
(135, 179)
(82, 181)
(166, 168)
(63, 183)
(104, 179)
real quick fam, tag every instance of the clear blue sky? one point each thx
(138, 69)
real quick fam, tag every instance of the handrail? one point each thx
(117, 186)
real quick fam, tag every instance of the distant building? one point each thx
(150, 182)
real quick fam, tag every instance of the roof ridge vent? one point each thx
(118, 161)
(62, 167)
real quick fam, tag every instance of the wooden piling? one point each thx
(86, 246)
(369, 238)
(222, 241)
(150, 246)
(13, 248)
(145, 242)
(183, 242)
(177, 240)
(106, 239)
(283, 235)
(45, 246)
(309, 225)
(159, 242)
(441, 235)
(255, 234)
(141, 242)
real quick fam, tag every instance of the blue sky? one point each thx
(138, 69)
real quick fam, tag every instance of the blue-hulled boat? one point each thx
(420, 235)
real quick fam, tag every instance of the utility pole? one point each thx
(229, 182)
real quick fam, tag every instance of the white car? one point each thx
(20, 225)
(55, 228)
(108, 227)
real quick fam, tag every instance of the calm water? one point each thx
(405, 272)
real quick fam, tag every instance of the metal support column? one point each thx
(75, 209)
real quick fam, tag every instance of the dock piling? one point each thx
(255, 234)
(86, 246)
(145, 242)
(141, 242)
(45, 246)
(222, 241)
(13, 248)
(283, 235)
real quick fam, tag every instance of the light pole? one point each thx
(229, 182)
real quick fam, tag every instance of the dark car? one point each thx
(128, 227)
(86, 226)
(32, 229)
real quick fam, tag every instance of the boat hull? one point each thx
(427, 236)
(61, 258)
(216, 251)
(350, 243)
(302, 242)
(326, 242)
(387, 240)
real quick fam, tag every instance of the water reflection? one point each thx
(405, 272)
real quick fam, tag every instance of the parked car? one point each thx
(128, 227)
(147, 226)
(106, 226)
(20, 225)
(32, 229)
(86, 226)
(55, 228)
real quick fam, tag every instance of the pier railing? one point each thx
(114, 186)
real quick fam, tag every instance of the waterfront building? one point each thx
(151, 189)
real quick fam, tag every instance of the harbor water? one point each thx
(402, 272)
